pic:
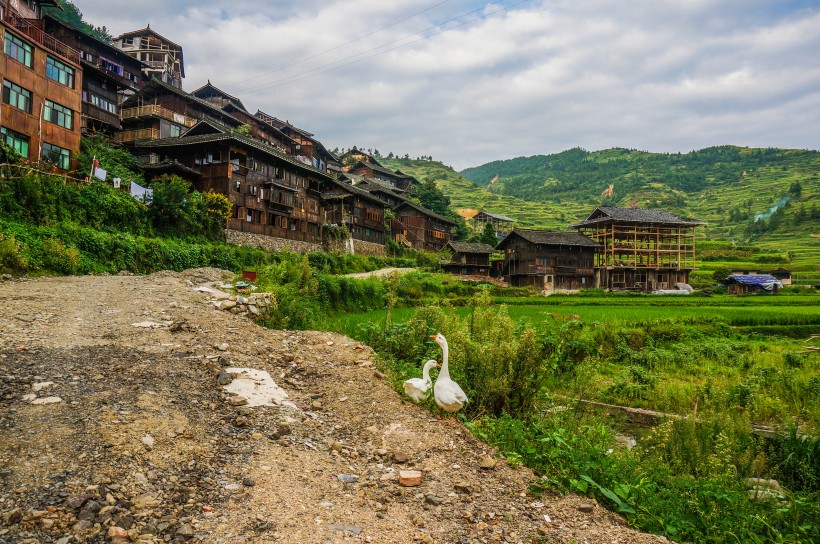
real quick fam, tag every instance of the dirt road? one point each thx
(114, 428)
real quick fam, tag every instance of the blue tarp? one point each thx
(761, 280)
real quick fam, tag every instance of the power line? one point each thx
(330, 66)
(354, 40)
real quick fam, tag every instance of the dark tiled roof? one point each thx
(169, 166)
(546, 237)
(425, 211)
(635, 215)
(209, 138)
(463, 247)
(216, 90)
(352, 189)
(271, 120)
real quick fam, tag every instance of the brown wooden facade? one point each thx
(502, 225)
(643, 249)
(272, 194)
(547, 260)
(39, 114)
(361, 212)
(396, 180)
(420, 228)
(108, 76)
(162, 58)
(469, 259)
(305, 144)
(160, 111)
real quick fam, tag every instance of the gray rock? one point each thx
(347, 478)
(344, 529)
(224, 378)
(248, 482)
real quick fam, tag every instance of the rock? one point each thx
(248, 482)
(400, 457)
(117, 532)
(241, 421)
(47, 400)
(82, 526)
(586, 507)
(185, 530)
(223, 346)
(237, 401)
(148, 442)
(40, 386)
(344, 528)
(486, 462)
(410, 478)
(463, 488)
(13, 517)
(434, 500)
(74, 502)
(140, 479)
(347, 478)
(224, 378)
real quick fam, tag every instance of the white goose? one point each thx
(418, 389)
(449, 395)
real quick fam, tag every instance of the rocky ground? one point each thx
(114, 428)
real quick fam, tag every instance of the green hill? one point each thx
(764, 197)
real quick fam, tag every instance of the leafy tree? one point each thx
(72, 16)
(173, 207)
(720, 274)
(489, 236)
(795, 189)
(431, 197)
(118, 163)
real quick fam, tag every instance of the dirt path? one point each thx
(380, 273)
(137, 442)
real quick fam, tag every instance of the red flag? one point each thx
(96, 164)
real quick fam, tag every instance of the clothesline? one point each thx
(65, 177)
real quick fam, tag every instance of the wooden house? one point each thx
(397, 180)
(162, 58)
(306, 146)
(420, 228)
(469, 259)
(259, 130)
(738, 284)
(643, 249)
(160, 111)
(502, 225)
(360, 211)
(273, 194)
(109, 75)
(548, 260)
(42, 78)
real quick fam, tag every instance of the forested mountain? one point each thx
(763, 196)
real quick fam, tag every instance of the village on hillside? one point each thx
(287, 190)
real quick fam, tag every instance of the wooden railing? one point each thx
(137, 135)
(155, 110)
(30, 28)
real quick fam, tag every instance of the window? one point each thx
(106, 64)
(15, 140)
(59, 156)
(59, 115)
(175, 131)
(59, 72)
(16, 96)
(99, 102)
(17, 49)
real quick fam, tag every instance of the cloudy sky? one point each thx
(469, 82)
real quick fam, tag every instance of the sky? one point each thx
(470, 82)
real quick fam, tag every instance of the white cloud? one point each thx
(536, 78)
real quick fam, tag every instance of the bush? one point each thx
(12, 258)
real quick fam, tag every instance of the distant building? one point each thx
(642, 249)
(42, 94)
(752, 283)
(163, 58)
(469, 259)
(502, 225)
(548, 260)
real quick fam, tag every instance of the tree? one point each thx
(795, 189)
(720, 274)
(431, 197)
(172, 208)
(488, 236)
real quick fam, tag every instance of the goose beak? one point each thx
(438, 365)
(433, 337)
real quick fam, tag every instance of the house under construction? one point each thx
(642, 249)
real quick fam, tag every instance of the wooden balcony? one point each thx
(32, 28)
(155, 110)
(137, 135)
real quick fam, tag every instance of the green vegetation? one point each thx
(687, 478)
(71, 16)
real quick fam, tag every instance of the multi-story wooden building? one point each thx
(163, 58)
(273, 194)
(40, 112)
(469, 259)
(502, 225)
(161, 111)
(360, 211)
(108, 76)
(305, 144)
(642, 249)
(397, 180)
(547, 260)
(259, 130)
(420, 228)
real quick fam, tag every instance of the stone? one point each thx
(486, 462)
(47, 400)
(237, 401)
(433, 499)
(347, 478)
(410, 478)
(148, 442)
(248, 482)
(224, 378)
(586, 507)
(344, 529)
(117, 532)
(82, 526)
(463, 488)
(13, 517)
(400, 457)
(185, 530)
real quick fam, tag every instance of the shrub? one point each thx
(57, 257)
(12, 257)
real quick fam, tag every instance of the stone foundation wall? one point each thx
(271, 243)
(368, 248)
